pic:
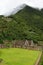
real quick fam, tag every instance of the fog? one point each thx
(7, 5)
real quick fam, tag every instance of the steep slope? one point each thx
(32, 19)
(26, 24)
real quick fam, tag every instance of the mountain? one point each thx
(15, 10)
(27, 23)
(42, 10)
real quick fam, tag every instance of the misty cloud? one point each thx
(7, 5)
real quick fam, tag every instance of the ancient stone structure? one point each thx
(29, 44)
(22, 43)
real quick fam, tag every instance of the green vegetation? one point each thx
(26, 24)
(15, 56)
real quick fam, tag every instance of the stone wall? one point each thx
(20, 44)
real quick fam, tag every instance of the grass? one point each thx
(16, 56)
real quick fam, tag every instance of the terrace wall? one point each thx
(29, 44)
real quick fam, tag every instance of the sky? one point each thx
(7, 5)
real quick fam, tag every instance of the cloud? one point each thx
(6, 5)
(35, 3)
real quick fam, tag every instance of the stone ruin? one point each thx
(23, 43)
(28, 44)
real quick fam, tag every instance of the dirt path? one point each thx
(38, 60)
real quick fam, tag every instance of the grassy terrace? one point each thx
(15, 56)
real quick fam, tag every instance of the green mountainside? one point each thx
(26, 24)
